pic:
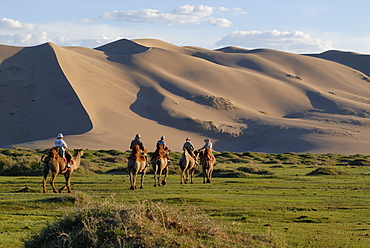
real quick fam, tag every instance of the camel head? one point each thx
(80, 152)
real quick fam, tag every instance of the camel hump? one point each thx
(53, 152)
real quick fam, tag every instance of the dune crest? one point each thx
(244, 100)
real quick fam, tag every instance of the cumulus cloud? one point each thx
(86, 20)
(186, 14)
(33, 39)
(24, 39)
(297, 41)
(239, 11)
(6, 23)
(220, 22)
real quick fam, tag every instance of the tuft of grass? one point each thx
(144, 224)
(255, 169)
(328, 171)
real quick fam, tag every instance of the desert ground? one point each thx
(256, 100)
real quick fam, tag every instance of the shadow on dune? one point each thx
(320, 102)
(37, 99)
(259, 137)
(148, 105)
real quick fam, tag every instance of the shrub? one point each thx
(145, 224)
(328, 171)
(253, 169)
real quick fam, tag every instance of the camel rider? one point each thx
(189, 146)
(62, 145)
(163, 144)
(138, 142)
(207, 143)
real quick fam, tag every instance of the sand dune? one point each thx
(244, 100)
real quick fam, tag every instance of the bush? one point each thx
(328, 171)
(20, 166)
(254, 169)
(146, 224)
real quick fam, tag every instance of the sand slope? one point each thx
(244, 100)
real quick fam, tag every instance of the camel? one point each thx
(137, 163)
(56, 164)
(207, 160)
(160, 165)
(188, 165)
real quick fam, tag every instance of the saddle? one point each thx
(54, 152)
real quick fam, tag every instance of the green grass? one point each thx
(291, 207)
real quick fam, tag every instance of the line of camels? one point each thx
(137, 163)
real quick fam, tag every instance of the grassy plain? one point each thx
(272, 197)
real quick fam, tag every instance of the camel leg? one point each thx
(133, 185)
(67, 176)
(186, 179)
(131, 180)
(155, 175)
(191, 176)
(210, 174)
(53, 176)
(164, 182)
(182, 177)
(46, 172)
(142, 179)
(208, 177)
(160, 178)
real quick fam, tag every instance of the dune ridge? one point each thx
(244, 100)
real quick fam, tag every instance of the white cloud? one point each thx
(223, 9)
(86, 20)
(220, 22)
(28, 39)
(239, 11)
(297, 41)
(90, 43)
(191, 10)
(181, 15)
(24, 39)
(6, 23)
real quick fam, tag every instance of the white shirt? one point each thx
(60, 142)
(207, 144)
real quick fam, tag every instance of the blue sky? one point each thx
(297, 26)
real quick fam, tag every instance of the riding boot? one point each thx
(68, 166)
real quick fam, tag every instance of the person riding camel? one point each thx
(163, 144)
(190, 148)
(62, 145)
(138, 142)
(207, 143)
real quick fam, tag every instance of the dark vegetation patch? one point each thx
(27, 190)
(253, 169)
(62, 199)
(328, 171)
(228, 173)
(307, 219)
